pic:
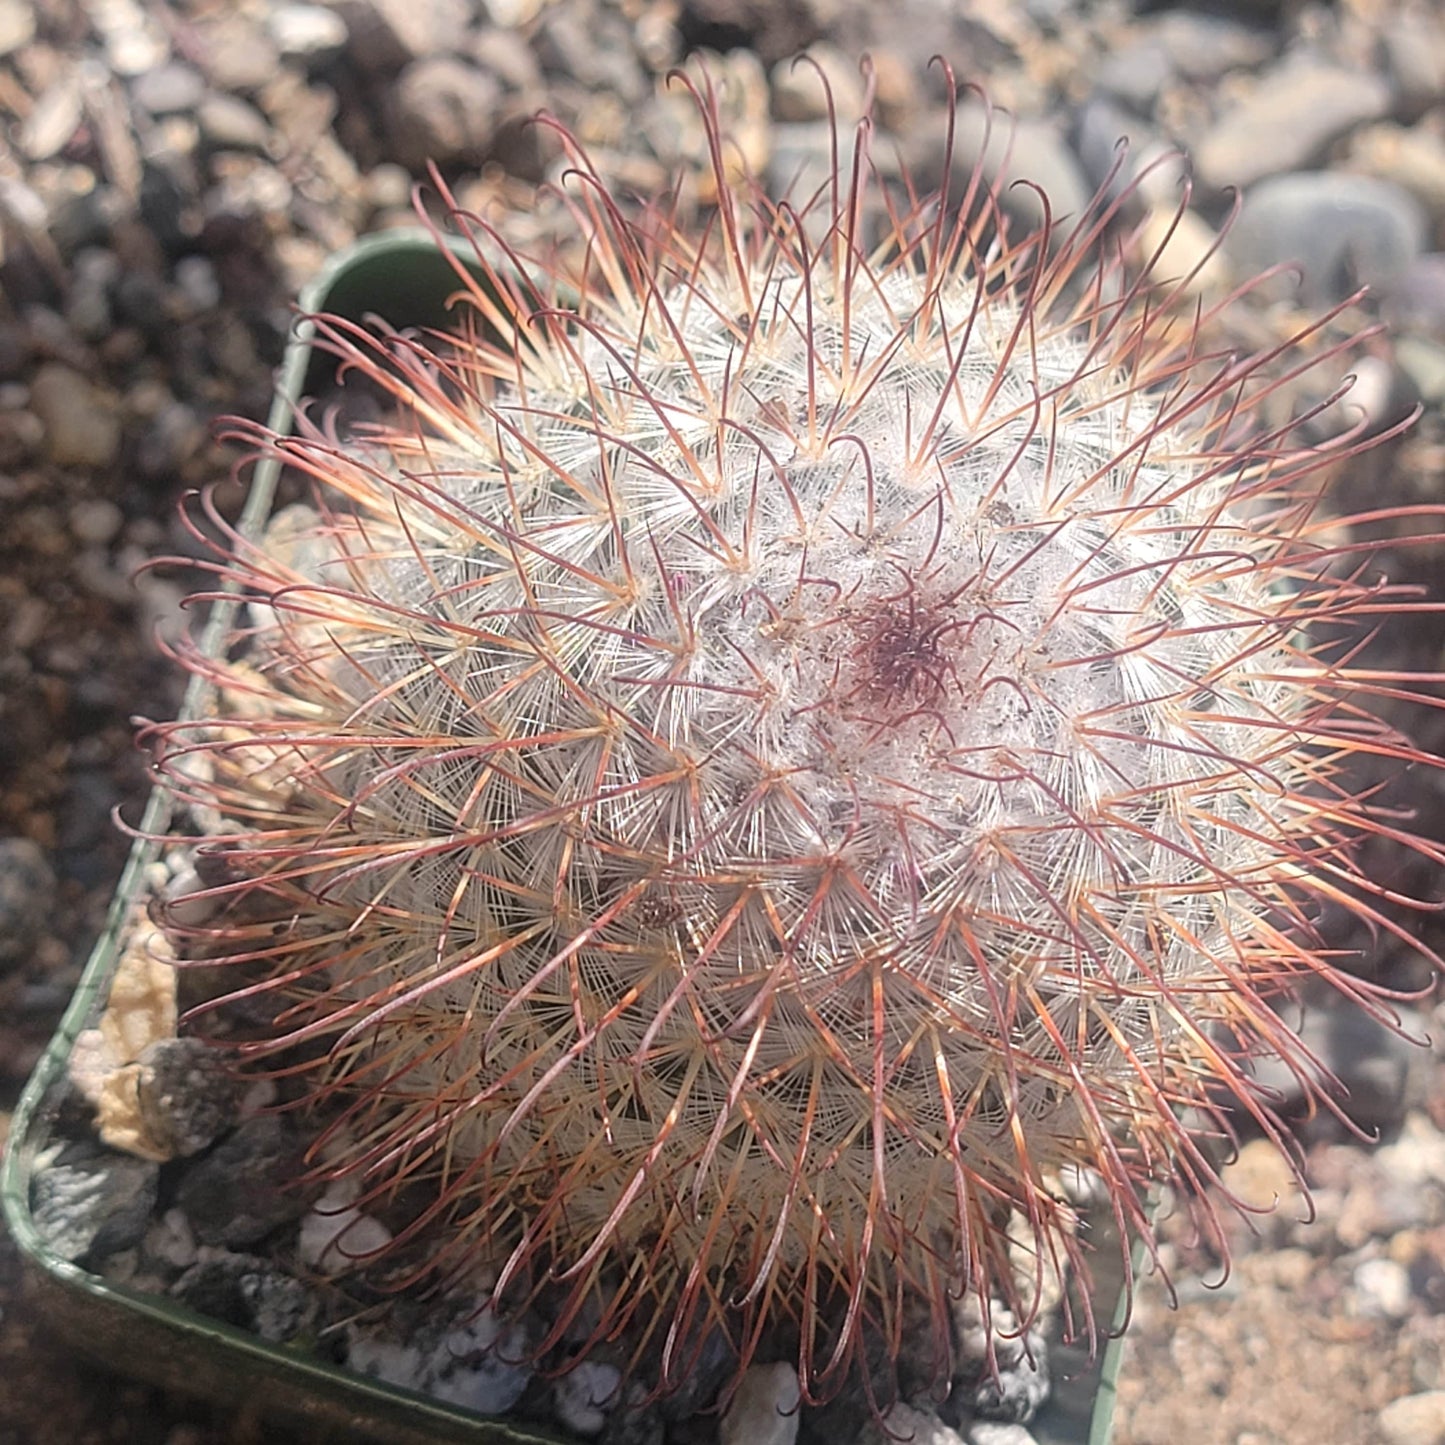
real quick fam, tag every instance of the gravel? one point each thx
(180, 169)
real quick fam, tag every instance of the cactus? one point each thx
(804, 732)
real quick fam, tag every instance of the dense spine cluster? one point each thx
(785, 750)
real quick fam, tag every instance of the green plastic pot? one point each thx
(406, 280)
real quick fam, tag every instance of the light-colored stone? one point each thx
(82, 426)
(1383, 1289)
(585, 1394)
(1184, 249)
(1261, 1178)
(903, 1425)
(17, 24)
(764, 1411)
(1286, 121)
(336, 1236)
(1415, 1419)
(802, 85)
(999, 1432)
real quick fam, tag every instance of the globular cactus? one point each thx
(783, 751)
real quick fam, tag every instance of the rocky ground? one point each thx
(172, 173)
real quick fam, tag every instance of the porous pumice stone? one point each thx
(780, 753)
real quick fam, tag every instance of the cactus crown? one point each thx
(789, 745)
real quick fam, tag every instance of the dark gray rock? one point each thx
(247, 1186)
(1147, 161)
(596, 52)
(186, 1095)
(250, 1293)
(773, 28)
(445, 110)
(1007, 150)
(385, 35)
(92, 1202)
(1343, 231)
(27, 895)
(1381, 1071)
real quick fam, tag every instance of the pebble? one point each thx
(53, 120)
(133, 38)
(1414, 1419)
(169, 89)
(1184, 250)
(774, 29)
(1134, 72)
(1007, 150)
(801, 86)
(308, 33)
(17, 25)
(335, 1236)
(1301, 107)
(1417, 299)
(236, 52)
(94, 271)
(995, 1432)
(1342, 230)
(1205, 47)
(903, 1425)
(198, 284)
(94, 522)
(764, 1410)
(244, 1188)
(169, 1242)
(1413, 41)
(473, 1361)
(187, 1097)
(445, 111)
(82, 425)
(1412, 157)
(229, 123)
(1150, 164)
(1382, 1069)
(595, 53)
(385, 35)
(585, 1395)
(93, 1202)
(27, 896)
(1010, 1384)
(1383, 1287)
(1263, 1180)
(248, 1292)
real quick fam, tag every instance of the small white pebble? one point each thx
(170, 1241)
(96, 521)
(335, 1236)
(764, 1411)
(903, 1425)
(997, 1432)
(1383, 1286)
(1414, 1419)
(386, 1360)
(584, 1395)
